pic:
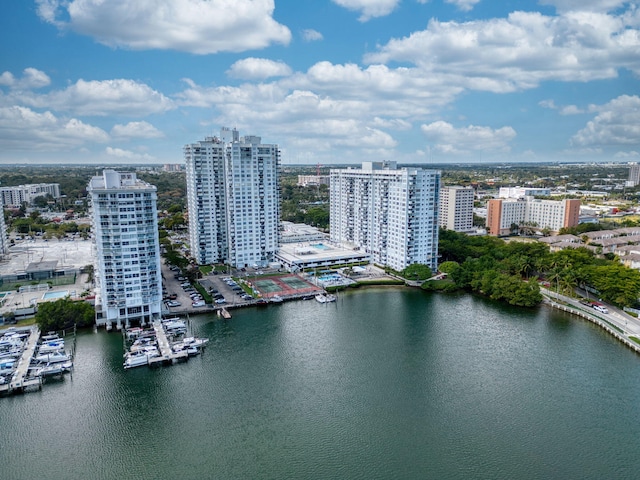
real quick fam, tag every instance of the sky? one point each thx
(329, 81)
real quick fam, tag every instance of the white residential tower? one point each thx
(233, 199)
(127, 270)
(390, 213)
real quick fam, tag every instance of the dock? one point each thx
(20, 380)
(166, 352)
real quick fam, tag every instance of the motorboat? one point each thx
(51, 346)
(322, 298)
(53, 357)
(133, 333)
(276, 299)
(197, 342)
(136, 359)
(50, 369)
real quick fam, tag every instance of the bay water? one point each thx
(383, 384)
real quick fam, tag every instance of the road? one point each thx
(628, 324)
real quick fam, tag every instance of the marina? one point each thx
(26, 359)
(164, 344)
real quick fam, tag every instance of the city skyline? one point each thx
(332, 82)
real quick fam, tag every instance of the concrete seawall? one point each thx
(594, 319)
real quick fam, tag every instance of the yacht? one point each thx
(276, 299)
(53, 357)
(136, 359)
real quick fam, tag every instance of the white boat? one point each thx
(54, 357)
(136, 359)
(276, 299)
(50, 369)
(51, 346)
(133, 333)
(196, 342)
(321, 298)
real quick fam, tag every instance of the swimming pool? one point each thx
(320, 246)
(52, 295)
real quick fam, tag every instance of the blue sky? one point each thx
(330, 81)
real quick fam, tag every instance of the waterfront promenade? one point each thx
(617, 322)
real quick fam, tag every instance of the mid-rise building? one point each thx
(520, 192)
(390, 213)
(233, 199)
(312, 180)
(15, 196)
(127, 269)
(504, 214)
(456, 208)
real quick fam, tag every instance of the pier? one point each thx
(20, 381)
(166, 352)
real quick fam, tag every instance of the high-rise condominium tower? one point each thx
(388, 212)
(456, 208)
(3, 231)
(127, 270)
(233, 199)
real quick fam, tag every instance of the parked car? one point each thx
(600, 308)
(198, 304)
(220, 301)
(173, 303)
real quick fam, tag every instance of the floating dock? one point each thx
(166, 352)
(20, 380)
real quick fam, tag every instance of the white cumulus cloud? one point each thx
(464, 5)
(136, 130)
(101, 98)
(311, 35)
(520, 51)
(258, 69)
(445, 138)
(127, 154)
(369, 8)
(24, 129)
(195, 26)
(31, 78)
(617, 123)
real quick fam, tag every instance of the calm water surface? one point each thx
(389, 384)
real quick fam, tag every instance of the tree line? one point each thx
(512, 271)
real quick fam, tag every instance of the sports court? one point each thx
(284, 286)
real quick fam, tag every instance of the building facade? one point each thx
(3, 231)
(234, 199)
(520, 192)
(634, 175)
(312, 180)
(127, 270)
(503, 214)
(456, 208)
(14, 197)
(389, 213)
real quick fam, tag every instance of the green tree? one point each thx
(417, 272)
(63, 314)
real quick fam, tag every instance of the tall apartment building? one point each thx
(390, 213)
(3, 231)
(15, 196)
(456, 208)
(127, 269)
(233, 199)
(551, 214)
(634, 175)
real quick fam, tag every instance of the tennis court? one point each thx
(284, 285)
